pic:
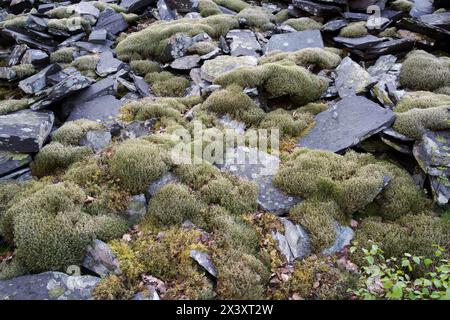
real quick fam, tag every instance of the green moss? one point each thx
(137, 163)
(111, 288)
(11, 269)
(354, 30)
(320, 58)
(50, 230)
(257, 17)
(240, 275)
(402, 5)
(23, 70)
(63, 55)
(390, 33)
(60, 12)
(208, 8)
(421, 100)
(86, 63)
(104, 5)
(302, 24)
(202, 47)
(289, 124)
(67, 24)
(236, 103)
(236, 195)
(414, 122)
(424, 71)
(235, 5)
(14, 21)
(313, 108)
(151, 41)
(443, 90)
(56, 156)
(165, 85)
(142, 67)
(282, 15)
(71, 132)
(130, 18)
(278, 79)
(173, 203)
(13, 105)
(196, 175)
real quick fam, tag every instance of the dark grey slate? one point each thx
(96, 140)
(35, 57)
(437, 19)
(165, 179)
(294, 41)
(260, 167)
(134, 6)
(364, 4)
(10, 161)
(176, 47)
(16, 55)
(243, 43)
(98, 36)
(48, 286)
(344, 237)
(294, 244)
(204, 260)
(25, 131)
(334, 25)
(36, 23)
(108, 64)
(141, 85)
(317, 8)
(6, 73)
(137, 129)
(182, 6)
(359, 43)
(421, 7)
(103, 109)
(38, 81)
(23, 38)
(18, 6)
(112, 21)
(346, 124)
(99, 259)
(165, 13)
(186, 62)
(18, 175)
(352, 79)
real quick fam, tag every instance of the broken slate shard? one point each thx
(34, 57)
(136, 209)
(111, 21)
(135, 5)
(25, 131)
(165, 179)
(204, 260)
(421, 7)
(294, 244)
(254, 165)
(318, 9)
(437, 19)
(10, 161)
(346, 124)
(243, 43)
(360, 43)
(48, 286)
(108, 64)
(38, 81)
(186, 62)
(432, 154)
(102, 109)
(352, 79)
(96, 140)
(294, 41)
(100, 259)
(69, 85)
(344, 236)
(211, 69)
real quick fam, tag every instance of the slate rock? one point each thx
(352, 79)
(102, 109)
(441, 4)
(99, 259)
(421, 7)
(16, 54)
(230, 123)
(294, 244)
(25, 131)
(149, 294)
(18, 175)
(48, 286)
(211, 69)
(38, 81)
(137, 129)
(260, 167)
(334, 25)
(136, 209)
(98, 36)
(182, 6)
(364, 4)
(204, 260)
(111, 21)
(186, 62)
(108, 64)
(36, 23)
(431, 152)
(22, 37)
(66, 87)
(344, 237)
(85, 8)
(294, 41)
(96, 140)
(18, 6)
(135, 6)
(35, 57)
(360, 43)
(165, 13)
(10, 161)
(439, 34)
(243, 43)
(346, 124)
(437, 19)
(394, 46)
(176, 47)
(165, 179)
(317, 8)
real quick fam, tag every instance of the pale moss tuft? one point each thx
(71, 132)
(63, 55)
(354, 30)
(302, 24)
(13, 105)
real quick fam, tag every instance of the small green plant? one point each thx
(394, 279)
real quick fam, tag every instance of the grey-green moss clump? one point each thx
(13, 105)
(415, 122)
(142, 67)
(424, 71)
(301, 24)
(86, 63)
(421, 100)
(202, 47)
(137, 163)
(208, 8)
(354, 30)
(151, 41)
(165, 84)
(63, 55)
(71, 132)
(318, 57)
(235, 5)
(235, 102)
(257, 17)
(278, 79)
(69, 24)
(51, 232)
(288, 123)
(23, 70)
(55, 156)
(402, 5)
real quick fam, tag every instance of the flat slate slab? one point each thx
(259, 167)
(25, 131)
(10, 161)
(48, 286)
(346, 124)
(243, 43)
(351, 78)
(294, 41)
(102, 109)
